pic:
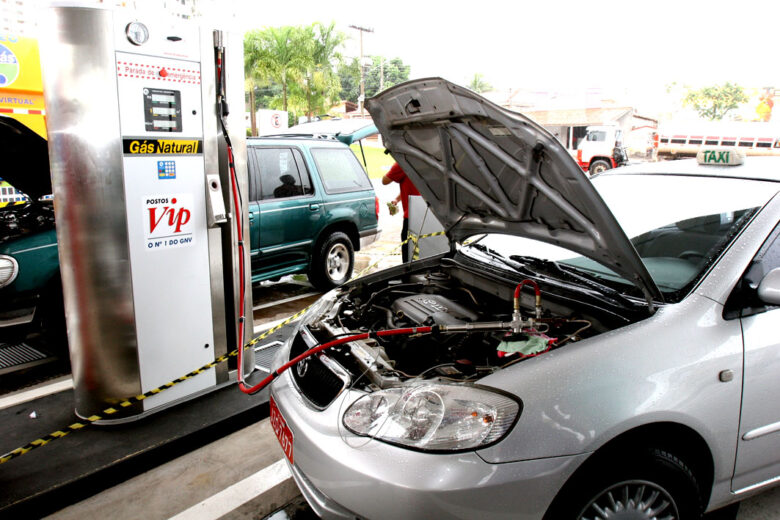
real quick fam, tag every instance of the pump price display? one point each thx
(282, 431)
(162, 110)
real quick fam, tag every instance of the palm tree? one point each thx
(276, 54)
(320, 83)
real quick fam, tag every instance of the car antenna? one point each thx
(360, 142)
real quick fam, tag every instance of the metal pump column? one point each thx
(134, 149)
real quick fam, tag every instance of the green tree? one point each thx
(278, 55)
(478, 84)
(715, 102)
(380, 74)
(319, 85)
(383, 74)
(349, 77)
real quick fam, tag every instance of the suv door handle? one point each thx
(314, 207)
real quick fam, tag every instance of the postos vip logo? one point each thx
(9, 66)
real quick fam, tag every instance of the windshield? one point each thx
(679, 226)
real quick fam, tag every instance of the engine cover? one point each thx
(432, 309)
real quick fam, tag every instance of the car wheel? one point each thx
(653, 484)
(599, 166)
(333, 262)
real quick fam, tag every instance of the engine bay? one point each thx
(474, 332)
(17, 221)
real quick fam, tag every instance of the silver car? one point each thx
(605, 348)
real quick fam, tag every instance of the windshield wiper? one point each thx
(501, 258)
(573, 274)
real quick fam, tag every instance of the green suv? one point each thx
(311, 206)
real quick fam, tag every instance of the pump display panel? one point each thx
(162, 110)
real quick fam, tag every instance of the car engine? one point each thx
(462, 348)
(17, 221)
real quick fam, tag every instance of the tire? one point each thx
(332, 262)
(599, 166)
(612, 484)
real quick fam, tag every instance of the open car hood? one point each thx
(26, 158)
(484, 169)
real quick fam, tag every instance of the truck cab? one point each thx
(601, 149)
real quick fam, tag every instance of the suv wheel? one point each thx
(333, 262)
(648, 485)
(599, 166)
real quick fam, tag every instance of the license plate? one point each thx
(283, 432)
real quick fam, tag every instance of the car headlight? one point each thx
(9, 269)
(433, 417)
(318, 308)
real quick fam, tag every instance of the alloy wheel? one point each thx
(337, 261)
(631, 500)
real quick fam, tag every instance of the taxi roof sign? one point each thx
(721, 156)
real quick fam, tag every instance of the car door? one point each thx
(286, 213)
(758, 446)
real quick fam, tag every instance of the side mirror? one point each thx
(769, 288)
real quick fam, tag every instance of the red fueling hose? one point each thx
(316, 350)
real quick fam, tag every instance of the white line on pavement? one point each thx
(238, 494)
(35, 393)
(286, 300)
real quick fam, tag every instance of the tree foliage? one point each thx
(478, 84)
(380, 74)
(319, 86)
(714, 102)
(349, 77)
(275, 54)
(293, 68)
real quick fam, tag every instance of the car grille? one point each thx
(317, 381)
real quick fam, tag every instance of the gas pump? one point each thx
(147, 241)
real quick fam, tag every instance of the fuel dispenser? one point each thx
(147, 241)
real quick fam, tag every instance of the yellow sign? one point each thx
(21, 86)
(162, 146)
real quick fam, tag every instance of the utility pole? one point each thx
(362, 97)
(381, 73)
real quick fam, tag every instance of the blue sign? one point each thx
(166, 169)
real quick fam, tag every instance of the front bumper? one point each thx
(17, 309)
(346, 476)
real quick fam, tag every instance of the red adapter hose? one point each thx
(536, 290)
(316, 350)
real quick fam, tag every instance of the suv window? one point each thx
(340, 170)
(281, 172)
(597, 135)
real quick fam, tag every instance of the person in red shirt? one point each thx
(396, 174)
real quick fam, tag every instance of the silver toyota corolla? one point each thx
(605, 348)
